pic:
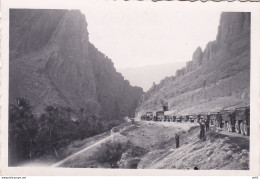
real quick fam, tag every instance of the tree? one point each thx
(81, 113)
(49, 110)
(21, 109)
(22, 130)
(50, 126)
(69, 110)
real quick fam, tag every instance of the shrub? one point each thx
(111, 152)
(212, 135)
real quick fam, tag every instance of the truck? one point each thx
(143, 117)
(191, 118)
(203, 117)
(159, 116)
(213, 118)
(149, 116)
(195, 118)
(228, 120)
(178, 118)
(173, 118)
(242, 120)
(184, 118)
(168, 116)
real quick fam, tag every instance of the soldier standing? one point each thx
(207, 123)
(232, 122)
(220, 120)
(198, 118)
(202, 130)
(132, 121)
(177, 140)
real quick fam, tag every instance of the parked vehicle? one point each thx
(232, 120)
(173, 118)
(168, 118)
(203, 116)
(178, 118)
(191, 118)
(159, 116)
(143, 117)
(242, 120)
(149, 116)
(228, 121)
(213, 118)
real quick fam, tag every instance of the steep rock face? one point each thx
(22, 29)
(197, 58)
(64, 67)
(69, 66)
(116, 96)
(216, 78)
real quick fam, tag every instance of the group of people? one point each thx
(217, 122)
(204, 126)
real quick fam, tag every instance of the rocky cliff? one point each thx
(53, 62)
(217, 77)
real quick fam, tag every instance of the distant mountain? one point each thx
(144, 76)
(52, 62)
(216, 78)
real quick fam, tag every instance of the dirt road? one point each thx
(152, 145)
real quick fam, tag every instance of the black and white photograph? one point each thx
(130, 85)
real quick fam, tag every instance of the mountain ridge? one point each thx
(216, 78)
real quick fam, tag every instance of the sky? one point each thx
(134, 34)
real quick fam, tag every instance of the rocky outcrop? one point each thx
(197, 58)
(53, 62)
(216, 78)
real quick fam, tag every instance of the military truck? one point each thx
(173, 118)
(213, 118)
(178, 118)
(165, 118)
(159, 116)
(143, 117)
(191, 118)
(203, 116)
(242, 120)
(187, 118)
(195, 118)
(228, 119)
(149, 116)
(184, 118)
(168, 118)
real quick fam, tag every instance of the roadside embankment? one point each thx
(152, 145)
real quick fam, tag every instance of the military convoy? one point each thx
(236, 120)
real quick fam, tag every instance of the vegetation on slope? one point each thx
(32, 136)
